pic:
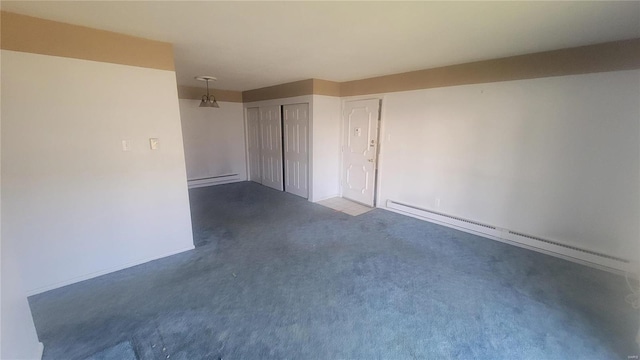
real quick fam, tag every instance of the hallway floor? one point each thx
(276, 277)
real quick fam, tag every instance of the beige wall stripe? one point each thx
(324, 87)
(39, 36)
(297, 88)
(34, 35)
(195, 93)
(612, 56)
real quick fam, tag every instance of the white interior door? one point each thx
(253, 135)
(296, 149)
(271, 146)
(359, 151)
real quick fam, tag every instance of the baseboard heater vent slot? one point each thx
(570, 247)
(447, 216)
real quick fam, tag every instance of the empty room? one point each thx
(319, 180)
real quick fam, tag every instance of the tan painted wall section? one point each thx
(195, 93)
(613, 56)
(324, 87)
(34, 35)
(296, 88)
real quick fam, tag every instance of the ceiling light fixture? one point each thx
(208, 100)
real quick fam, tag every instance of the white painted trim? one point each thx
(92, 275)
(310, 144)
(379, 96)
(192, 184)
(382, 129)
(246, 142)
(504, 236)
(39, 351)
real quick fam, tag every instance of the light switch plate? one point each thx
(153, 143)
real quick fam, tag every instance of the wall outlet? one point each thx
(125, 145)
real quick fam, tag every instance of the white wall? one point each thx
(554, 157)
(18, 339)
(74, 201)
(326, 147)
(214, 142)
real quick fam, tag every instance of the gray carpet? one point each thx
(120, 351)
(276, 277)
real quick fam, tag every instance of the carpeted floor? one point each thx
(277, 277)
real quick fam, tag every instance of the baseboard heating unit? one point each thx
(547, 246)
(213, 180)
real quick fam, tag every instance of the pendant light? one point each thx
(208, 100)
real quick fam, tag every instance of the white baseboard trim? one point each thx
(92, 275)
(192, 184)
(503, 235)
(39, 351)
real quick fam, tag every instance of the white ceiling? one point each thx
(248, 45)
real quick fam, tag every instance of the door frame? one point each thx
(378, 162)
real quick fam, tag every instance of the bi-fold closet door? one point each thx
(278, 144)
(296, 149)
(271, 147)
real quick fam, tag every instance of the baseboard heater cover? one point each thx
(213, 180)
(530, 241)
(571, 247)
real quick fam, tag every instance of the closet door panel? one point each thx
(296, 149)
(253, 141)
(271, 147)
